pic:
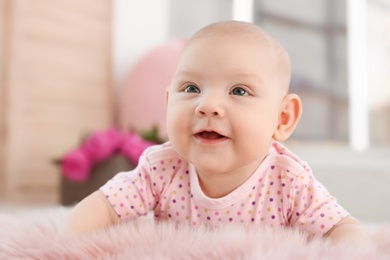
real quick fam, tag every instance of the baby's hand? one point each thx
(348, 232)
(92, 213)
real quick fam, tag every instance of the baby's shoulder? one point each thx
(161, 154)
(282, 158)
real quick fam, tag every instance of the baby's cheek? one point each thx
(176, 135)
(254, 149)
(171, 124)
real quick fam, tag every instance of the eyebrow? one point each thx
(241, 74)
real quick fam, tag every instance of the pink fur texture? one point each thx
(35, 235)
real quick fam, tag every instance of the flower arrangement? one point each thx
(77, 164)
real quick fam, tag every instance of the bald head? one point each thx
(248, 32)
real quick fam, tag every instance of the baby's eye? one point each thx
(238, 91)
(192, 89)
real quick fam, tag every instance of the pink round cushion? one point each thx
(142, 97)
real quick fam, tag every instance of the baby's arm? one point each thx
(92, 213)
(348, 232)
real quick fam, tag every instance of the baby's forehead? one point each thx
(233, 29)
(251, 36)
(247, 33)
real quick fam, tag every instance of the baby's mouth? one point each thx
(209, 135)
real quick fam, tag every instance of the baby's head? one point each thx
(229, 97)
(249, 38)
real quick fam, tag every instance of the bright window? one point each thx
(339, 52)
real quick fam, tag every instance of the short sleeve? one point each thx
(314, 209)
(131, 193)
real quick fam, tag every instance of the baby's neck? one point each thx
(221, 184)
(216, 189)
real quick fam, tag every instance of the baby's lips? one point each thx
(209, 135)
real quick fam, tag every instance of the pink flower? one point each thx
(133, 146)
(101, 145)
(76, 166)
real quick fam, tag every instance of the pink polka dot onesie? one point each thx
(281, 192)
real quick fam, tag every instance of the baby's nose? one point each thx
(210, 107)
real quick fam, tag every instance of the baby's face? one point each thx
(224, 103)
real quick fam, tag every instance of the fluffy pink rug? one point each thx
(34, 235)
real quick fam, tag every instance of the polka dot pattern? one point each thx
(282, 192)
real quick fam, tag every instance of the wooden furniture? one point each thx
(55, 86)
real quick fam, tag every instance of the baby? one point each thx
(228, 109)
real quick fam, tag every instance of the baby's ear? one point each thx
(289, 116)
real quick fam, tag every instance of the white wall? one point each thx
(141, 25)
(138, 27)
(378, 55)
(188, 16)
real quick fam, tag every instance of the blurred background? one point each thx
(71, 67)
